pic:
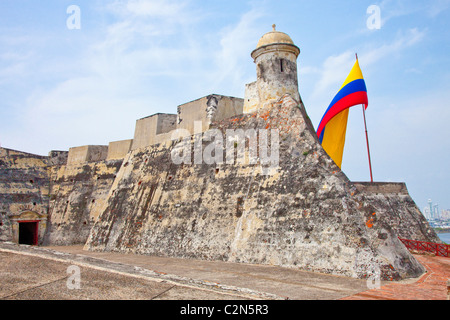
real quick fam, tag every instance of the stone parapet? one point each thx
(85, 154)
(382, 187)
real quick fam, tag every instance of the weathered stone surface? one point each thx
(392, 203)
(206, 110)
(80, 155)
(57, 157)
(75, 192)
(306, 215)
(61, 197)
(119, 149)
(153, 129)
(23, 188)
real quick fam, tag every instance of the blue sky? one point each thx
(62, 88)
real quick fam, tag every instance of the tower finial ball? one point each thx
(274, 26)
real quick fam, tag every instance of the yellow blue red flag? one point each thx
(333, 126)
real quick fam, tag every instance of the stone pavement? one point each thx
(25, 277)
(42, 268)
(41, 273)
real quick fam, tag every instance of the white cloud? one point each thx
(236, 43)
(402, 41)
(436, 7)
(98, 95)
(12, 71)
(155, 17)
(391, 9)
(158, 8)
(16, 58)
(333, 72)
(138, 44)
(335, 69)
(134, 67)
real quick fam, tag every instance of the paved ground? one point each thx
(42, 273)
(32, 278)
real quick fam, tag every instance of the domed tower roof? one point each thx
(274, 37)
(275, 41)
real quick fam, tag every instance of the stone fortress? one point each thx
(130, 197)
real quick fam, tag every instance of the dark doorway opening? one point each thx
(28, 233)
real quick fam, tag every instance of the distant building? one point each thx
(445, 214)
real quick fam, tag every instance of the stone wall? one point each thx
(119, 149)
(76, 191)
(158, 128)
(56, 158)
(23, 188)
(206, 110)
(393, 204)
(61, 197)
(303, 213)
(85, 154)
(306, 214)
(153, 129)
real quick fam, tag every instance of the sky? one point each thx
(72, 78)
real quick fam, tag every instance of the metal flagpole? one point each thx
(367, 140)
(367, 136)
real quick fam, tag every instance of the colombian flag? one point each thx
(333, 126)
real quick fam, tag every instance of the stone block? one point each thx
(87, 154)
(206, 110)
(148, 130)
(119, 149)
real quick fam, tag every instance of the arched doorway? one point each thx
(28, 227)
(28, 232)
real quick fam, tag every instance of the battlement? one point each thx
(382, 187)
(85, 154)
(207, 110)
(153, 129)
(119, 149)
(158, 128)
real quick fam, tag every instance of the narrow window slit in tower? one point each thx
(281, 65)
